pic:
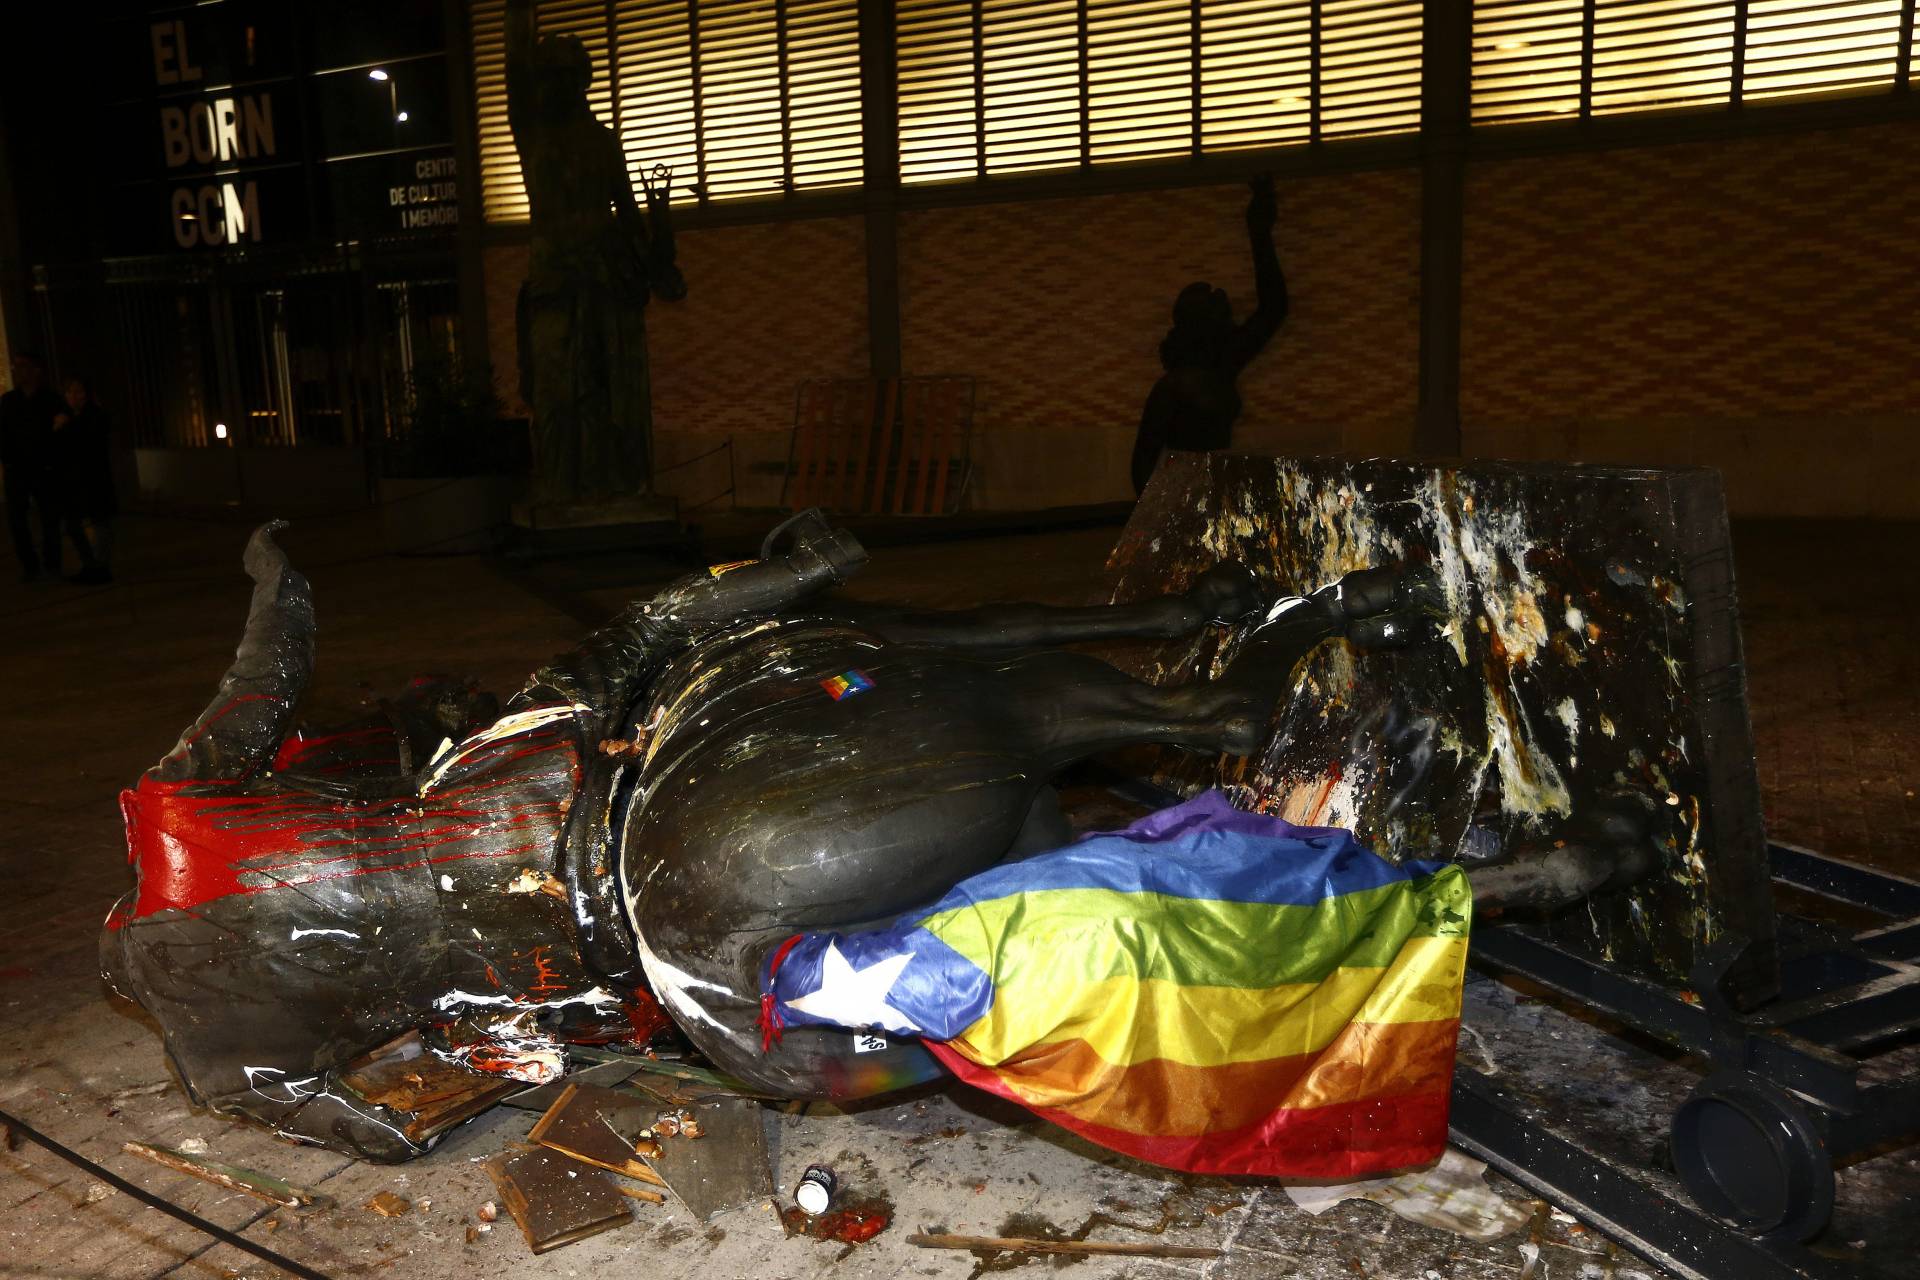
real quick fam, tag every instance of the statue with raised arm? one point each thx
(1195, 403)
(596, 260)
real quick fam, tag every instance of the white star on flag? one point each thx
(857, 997)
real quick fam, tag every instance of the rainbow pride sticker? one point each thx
(846, 684)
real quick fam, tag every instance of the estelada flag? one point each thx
(1208, 989)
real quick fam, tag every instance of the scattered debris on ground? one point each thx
(602, 1128)
(259, 1185)
(990, 1246)
(1451, 1194)
(854, 1223)
(389, 1205)
(726, 1167)
(435, 1094)
(842, 1201)
(554, 1199)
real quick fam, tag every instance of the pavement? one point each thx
(96, 683)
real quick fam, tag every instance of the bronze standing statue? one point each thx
(595, 263)
(1195, 402)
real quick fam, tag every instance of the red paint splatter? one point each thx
(853, 1225)
(193, 842)
(545, 980)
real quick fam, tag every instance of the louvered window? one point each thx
(1529, 58)
(1539, 59)
(1795, 47)
(741, 98)
(1000, 86)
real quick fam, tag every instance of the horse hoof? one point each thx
(1227, 593)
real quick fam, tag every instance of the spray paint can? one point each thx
(815, 1190)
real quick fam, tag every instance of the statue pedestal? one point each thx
(611, 524)
(641, 509)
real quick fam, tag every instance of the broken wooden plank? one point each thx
(434, 1094)
(1017, 1244)
(597, 1126)
(555, 1201)
(640, 1193)
(246, 1181)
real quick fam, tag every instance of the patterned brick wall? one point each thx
(1747, 304)
(767, 307)
(504, 267)
(1058, 306)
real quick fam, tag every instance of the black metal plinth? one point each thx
(1756, 1141)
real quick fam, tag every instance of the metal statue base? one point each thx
(640, 522)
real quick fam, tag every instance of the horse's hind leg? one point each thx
(1224, 593)
(1073, 705)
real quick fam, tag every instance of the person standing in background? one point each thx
(1195, 403)
(83, 477)
(26, 454)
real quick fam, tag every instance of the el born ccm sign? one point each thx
(207, 132)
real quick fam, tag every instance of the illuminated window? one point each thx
(1795, 47)
(756, 98)
(1001, 86)
(1540, 59)
(740, 98)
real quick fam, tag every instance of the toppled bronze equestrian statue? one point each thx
(647, 818)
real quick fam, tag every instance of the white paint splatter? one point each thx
(298, 934)
(275, 1078)
(673, 985)
(1529, 780)
(457, 999)
(505, 727)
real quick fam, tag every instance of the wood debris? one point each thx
(728, 1168)
(246, 1181)
(389, 1205)
(435, 1095)
(1016, 1244)
(592, 1125)
(554, 1200)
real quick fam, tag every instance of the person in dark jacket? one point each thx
(83, 476)
(26, 454)
(1195, 403)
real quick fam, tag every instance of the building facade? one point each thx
(1610, 230)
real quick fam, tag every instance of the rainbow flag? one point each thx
(1211, 990)
(846, 684)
